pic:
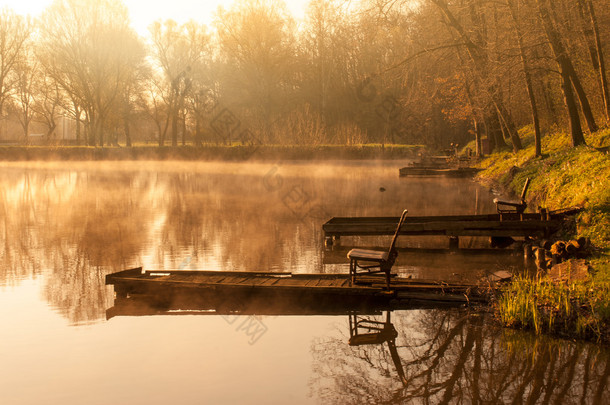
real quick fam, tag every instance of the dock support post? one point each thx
(119, 292)
(454, 243)
(541, 258)
(332, 240)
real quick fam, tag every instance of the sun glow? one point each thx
(145, 12)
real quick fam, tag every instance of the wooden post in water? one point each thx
(540, 254)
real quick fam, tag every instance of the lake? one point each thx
(65, 225)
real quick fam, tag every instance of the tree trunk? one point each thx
(477, 136)
(508, 124)
(563, 63)
(475, 120)
(479, 60)
(494, 132)
(578, 137)
(100, 134)
(51, 130)
(183, 122)
(585, 107)
(127, 133)
(587, 33)
(77, 128)
(198, 132)
(600, 60)
(163, 133)
(91, 131)
(528, 78)
(174, 128)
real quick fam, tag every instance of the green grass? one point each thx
(562, 177)
(574, 310)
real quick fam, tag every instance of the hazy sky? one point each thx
(144, 12)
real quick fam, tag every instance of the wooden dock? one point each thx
(232, 291)
(438, 171)
(491, 225)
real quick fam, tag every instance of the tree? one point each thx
(14, 31)
(27, 73)
(480, 60)
(48, 101)
(179, 51)
(89, 49)
(513, 6)
(597, 52)
(257, 47)
(566, 71)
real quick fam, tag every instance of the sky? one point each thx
(144, 12)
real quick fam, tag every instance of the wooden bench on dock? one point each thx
(375, 261)
(508, 207)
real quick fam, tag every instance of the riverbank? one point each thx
(210, 152)
(563, 177)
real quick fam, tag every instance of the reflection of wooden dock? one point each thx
(306, 290)
(496, 225)
(422, 257)
(438, 171)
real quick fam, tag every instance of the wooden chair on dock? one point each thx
(375, 261)
(513, 207)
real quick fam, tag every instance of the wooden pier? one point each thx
(438, 171)
(233, 291)
(540, 225)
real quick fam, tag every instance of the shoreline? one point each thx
(564, 176)
(210, 153)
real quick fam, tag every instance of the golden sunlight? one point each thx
(145, 12)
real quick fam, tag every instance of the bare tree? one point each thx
(14, 31)
(514, 9)
(179, 50)
(48, 101)
(479, 58)
(91, 51)
(258, 49)
(27, 73)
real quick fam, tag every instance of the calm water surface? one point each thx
(64, 226)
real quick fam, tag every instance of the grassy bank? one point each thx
(563, 177)
(210, 152)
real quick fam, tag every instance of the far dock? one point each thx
(436, 171)
(540, 225)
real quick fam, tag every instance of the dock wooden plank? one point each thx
(328, 283)
(233, 280)
(459, 225)
(216, 279)
(292, 282)
(269, 281)
(332, 286)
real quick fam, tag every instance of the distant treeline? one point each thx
(375, 71)
(211, 152)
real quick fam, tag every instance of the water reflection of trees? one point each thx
(453, 357)
(76, 222)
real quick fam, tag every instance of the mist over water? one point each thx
(64, 226)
